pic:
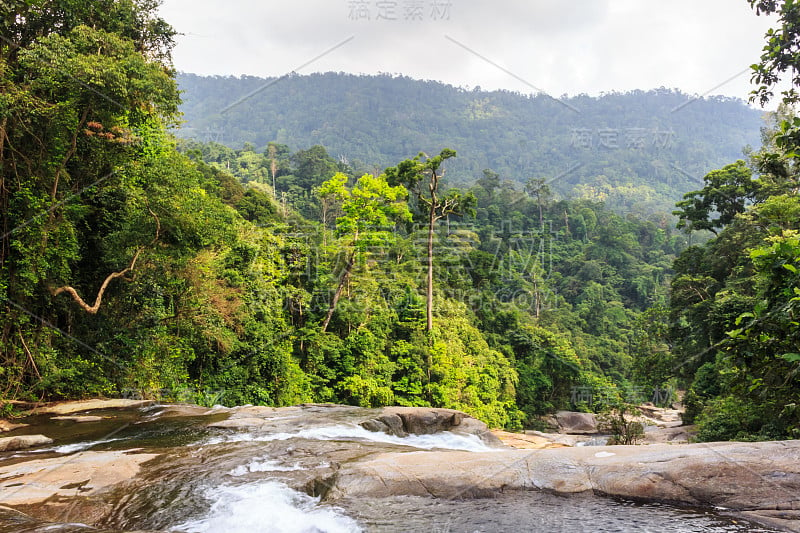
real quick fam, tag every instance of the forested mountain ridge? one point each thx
(636, 151)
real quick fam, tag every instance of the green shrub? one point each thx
(622, 431)
(732, 418)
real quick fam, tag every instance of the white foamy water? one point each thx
(76, 447)
(444, 439)
(268, 507)
(263, 465)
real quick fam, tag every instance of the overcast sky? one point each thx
(580, 46)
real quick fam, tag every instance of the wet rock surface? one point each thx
(85, 474)
(759, 478)
(158, 467)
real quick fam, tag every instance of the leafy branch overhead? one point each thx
(780, 53)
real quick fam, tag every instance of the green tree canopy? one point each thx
(726, 194)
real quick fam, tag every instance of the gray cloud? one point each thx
(584, 46)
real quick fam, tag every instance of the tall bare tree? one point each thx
(423, 175)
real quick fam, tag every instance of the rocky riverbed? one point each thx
(127, 466)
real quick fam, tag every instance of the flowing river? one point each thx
(203, 474)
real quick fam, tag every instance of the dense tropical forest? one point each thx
(636, 152)
(135, 264)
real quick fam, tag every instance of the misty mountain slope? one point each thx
(637, 151)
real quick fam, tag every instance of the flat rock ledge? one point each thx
(531, 440)
(79, 419)
(5, 426)
(759, 480)
(85, 474)
(68, 408)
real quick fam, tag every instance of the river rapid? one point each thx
(275, 470)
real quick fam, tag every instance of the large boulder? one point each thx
(404, 421)
(574, 423)
(21, 442)
(671, 435)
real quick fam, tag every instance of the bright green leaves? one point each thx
(777, 265)
(549, 369)
(385, 354)
(423, 174)
(335, 188)
(466, 374)
(371, 208)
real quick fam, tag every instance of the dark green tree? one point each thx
(726, 194)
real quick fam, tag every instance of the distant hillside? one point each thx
(637, 151)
